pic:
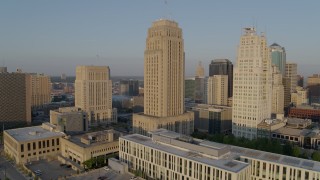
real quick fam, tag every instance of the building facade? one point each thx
(218, 90)
(32, 143)
(277, 91)
(306, 112)
(41, 89)
(278, 56)
(213, 119)
(15, 99)
(252, 84)
(69, 119)
(129, 87)
(313, 85)
(164, 68)
(93, 93)
(291, 73)
(168, 155)
(83, 147)
(223, 67)
(299, 96)
(189, 91)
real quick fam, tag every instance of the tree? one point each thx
(296, 151)
(316, 156)
(287, 149)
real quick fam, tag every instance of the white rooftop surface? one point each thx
(226, 164)
(32, 133)
(235, 152)
(277, 158)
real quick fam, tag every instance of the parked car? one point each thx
(106, 168)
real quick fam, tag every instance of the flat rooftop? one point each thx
(32, 133)
(228, 161)
(226, 164)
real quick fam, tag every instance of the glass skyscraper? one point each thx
(278, 56)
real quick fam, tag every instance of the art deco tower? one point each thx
(164, 68)
(252, 84)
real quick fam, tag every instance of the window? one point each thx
(52, 142)
(22, 147)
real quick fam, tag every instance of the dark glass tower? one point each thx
(223, 67)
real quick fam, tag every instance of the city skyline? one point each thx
(54, 37)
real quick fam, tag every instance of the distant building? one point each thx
(278, 57)
(287, 91)
(129, 87)
(41, 89)
(164, 62)
(291, 73)
(313, 85)
(277, 92)
(3, 70)
(223, 67)
(300, 81)
(213, 119)
(218, 90)
(69, 119)
(300, 96)
(200, 70)
(200, 88)
(306, 112)
(32, 143)
(189, 90)
(15, 98)
(93, 93)
(138, 104)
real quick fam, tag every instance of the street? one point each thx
(10, 170)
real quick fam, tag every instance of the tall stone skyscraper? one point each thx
(164, 67)
(223, 67)
(252, 84)
(278, 57)
(93, 93)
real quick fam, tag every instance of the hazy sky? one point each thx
(54, 36)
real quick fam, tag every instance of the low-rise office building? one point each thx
(169, 155)
(306, 112)
(292, 130)
(83, 147)
(32, 143)
(69, 119)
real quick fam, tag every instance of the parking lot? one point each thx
(103, 174)
(51, 170)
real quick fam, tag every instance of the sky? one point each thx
(53, 37)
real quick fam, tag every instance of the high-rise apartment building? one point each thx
(278, 56)
(287, 91)
(164, 66)
(277, 91)
(252, 84)
(15, 98)
(218, 90)
(291, 73)
(93, 93)
(41, 89)
(223, 67)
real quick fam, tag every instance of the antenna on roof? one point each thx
(168, 13)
